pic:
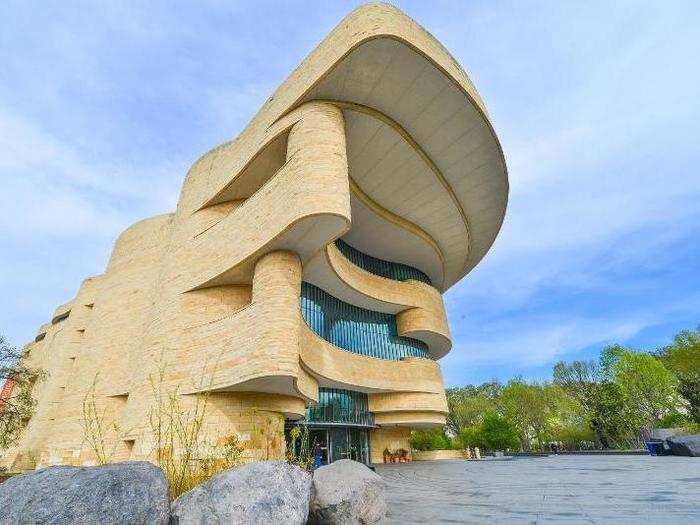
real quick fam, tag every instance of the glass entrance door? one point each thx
(359, 449)
(327, 444)
(349, 443)
(340, 448)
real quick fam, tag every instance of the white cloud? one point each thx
(596, 106)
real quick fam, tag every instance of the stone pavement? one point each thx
(554, 489)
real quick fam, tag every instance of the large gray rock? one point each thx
(684, 445)
(347, 492)
(269, 492)
(121, 493)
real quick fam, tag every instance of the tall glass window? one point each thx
(355, 329)
(340, 406)
(388, 269)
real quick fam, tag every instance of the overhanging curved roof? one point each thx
(420, 144)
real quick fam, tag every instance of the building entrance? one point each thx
(334, 443)
(338, 427)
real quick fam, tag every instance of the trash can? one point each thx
(655, 448)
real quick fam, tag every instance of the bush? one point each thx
(691, 428)
(672, 420)
(299, 449)
(433, 439)
(499, 433)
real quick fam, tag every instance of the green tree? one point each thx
(499, 433)
(583, 380)
(580, 379)
(531, 408)
(612, 421)
(472, 436)
(649, 389)
(16, 410)
(682, 357)
(467, 405)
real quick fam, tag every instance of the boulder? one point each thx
(347, 492)
(121, 493)
(684, 445)
(270, 492)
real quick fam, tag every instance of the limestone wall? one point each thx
(206, 300)
(437, 455)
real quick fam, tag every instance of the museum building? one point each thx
(301, 277)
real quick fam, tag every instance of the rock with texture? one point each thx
(684, 445)
(347, 492)
(270, 492)
(120, 494)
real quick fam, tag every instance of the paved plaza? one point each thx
(554, 489)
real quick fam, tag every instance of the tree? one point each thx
(682, 357)
(580, 379)
(467, 405)
(610, 418)
(499, 433)
(531, 409)
(648, 387)
(601, 401)
(472, 436)
(16, 405)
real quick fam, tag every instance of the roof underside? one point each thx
(420, 148)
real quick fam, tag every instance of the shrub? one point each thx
(672, 420)
(432, 439)
(691, 428)
(181, 451)
(299, 450)
(575, 437)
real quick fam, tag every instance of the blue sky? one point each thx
(104, 106)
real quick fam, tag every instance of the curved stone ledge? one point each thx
(257, 348)
(410, 419)
(472, 172)
(43, 330)
(143, 235)
(309, 196)
(337, 368)
(62, 312)
(419, 307)
(408, 402)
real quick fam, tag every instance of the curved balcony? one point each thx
(416, 307)
(380, 267)
(309, 195)
(364, 332)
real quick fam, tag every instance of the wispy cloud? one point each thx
(595, 104)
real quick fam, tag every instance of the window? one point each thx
(340, 406)
(388, 269)
(355, 329)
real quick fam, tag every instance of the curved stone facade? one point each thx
(378, 139)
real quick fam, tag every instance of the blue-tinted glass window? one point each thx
(355, 329)
(340, 406)
(390, 270)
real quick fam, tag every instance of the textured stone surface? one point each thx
(347, 492)
(270, 492)
(684, 445)
(556, 489)
(119, 494)
(379, 115)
